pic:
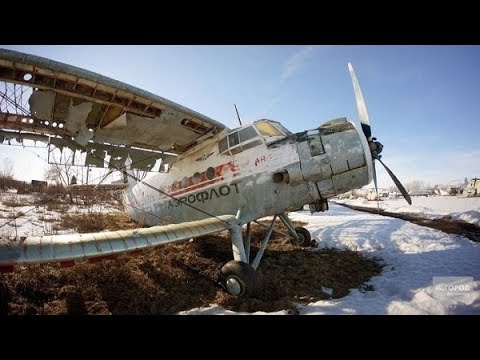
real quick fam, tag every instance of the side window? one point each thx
(315, 144)
(233, 139)
(247, 134)
(246, 137)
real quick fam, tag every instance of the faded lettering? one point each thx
(259, 160)
(205, 195)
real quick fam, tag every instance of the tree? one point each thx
(6, 170)
(62, 171)
(6, 174)
(415, 185)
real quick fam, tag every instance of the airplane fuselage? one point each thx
(260, 176)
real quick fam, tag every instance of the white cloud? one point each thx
(296, 62)
(264, 112)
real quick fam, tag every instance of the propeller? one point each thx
(375, 146)
(361, 106)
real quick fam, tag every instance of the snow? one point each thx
(413, 255)
(458, 208)
(37, 220)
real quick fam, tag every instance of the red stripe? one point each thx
(219, 171)
(196, 187)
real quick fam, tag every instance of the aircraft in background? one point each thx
(211, 178)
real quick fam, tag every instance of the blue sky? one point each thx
(423, 101)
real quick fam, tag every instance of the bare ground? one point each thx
(181, 276)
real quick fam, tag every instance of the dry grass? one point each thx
(181, 276)
(13, 202)
(15, 215)
(56, 206)
(92, 222)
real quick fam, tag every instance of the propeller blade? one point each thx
(398, 183)
(361, 106)
(375, 177)
(376, 187)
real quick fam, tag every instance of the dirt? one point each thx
(182, 276)
(445, 224)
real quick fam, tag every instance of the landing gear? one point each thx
(303, 237)
(300, 236)
(239, 278)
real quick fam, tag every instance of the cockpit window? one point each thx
(233, 139)
(267, 129)
(281, 128)
(247, 134)
(238, 141)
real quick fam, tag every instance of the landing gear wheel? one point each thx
(304, 237)
(239, 279)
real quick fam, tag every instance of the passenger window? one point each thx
(247, 134)
(197, 178)
(210, 173)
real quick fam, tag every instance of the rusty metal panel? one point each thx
(153, 122)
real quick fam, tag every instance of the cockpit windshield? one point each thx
(271, 130)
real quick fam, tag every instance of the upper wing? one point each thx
(64, 100)
(65, 249)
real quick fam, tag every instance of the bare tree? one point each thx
(415, 185)
(6, 174)
(61, 171)
(6, 171)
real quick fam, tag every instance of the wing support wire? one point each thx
(66, 249)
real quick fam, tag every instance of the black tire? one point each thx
(239, 279)
(304, 237)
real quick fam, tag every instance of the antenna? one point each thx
(238, 116)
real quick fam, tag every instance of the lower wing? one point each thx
(66, 249)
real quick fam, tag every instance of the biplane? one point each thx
(210, 178)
